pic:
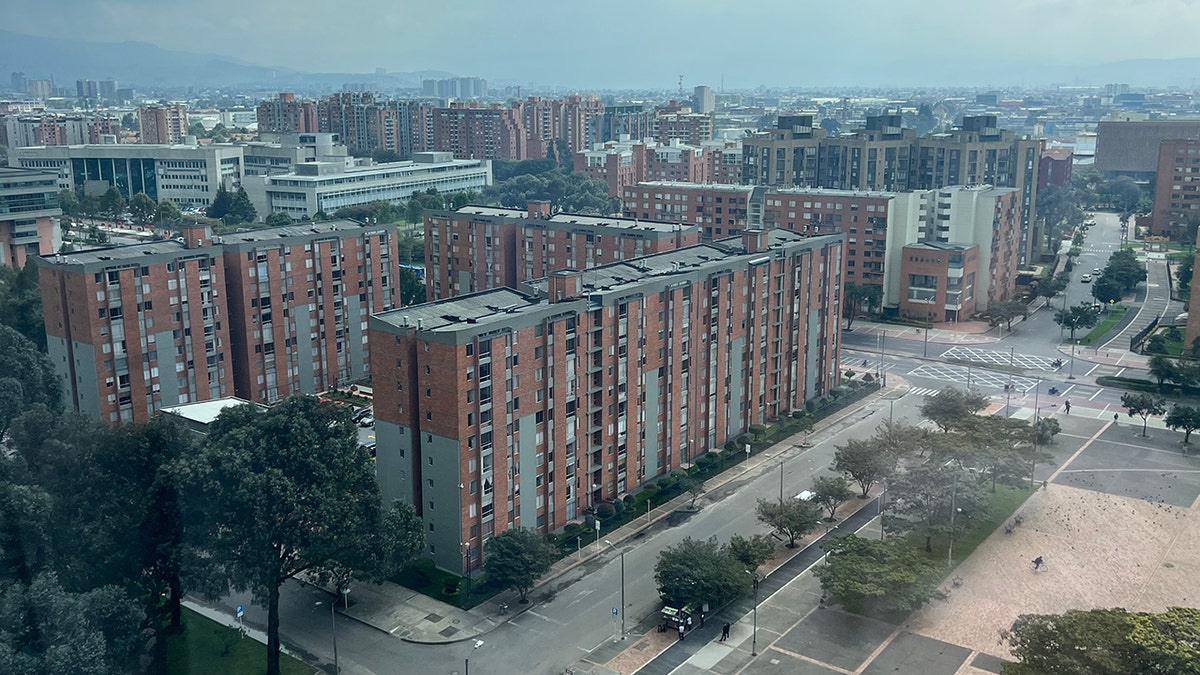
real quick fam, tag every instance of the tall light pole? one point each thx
(754, 640)
(467, 544)
(467, 660)
(882, 373)
(622, 585)
(781, 480)
(1008, 394)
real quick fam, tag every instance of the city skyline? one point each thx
(1057, 40)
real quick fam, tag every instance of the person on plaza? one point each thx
(725, 632)
(1038, 562)
(1067, 406)
(689, 623)
(681, 630)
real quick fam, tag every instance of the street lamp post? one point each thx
(622, 585)
(467, 660)
(754, 640)
(882, 374)
(781, 480)
(467, 567)
(1008, 394)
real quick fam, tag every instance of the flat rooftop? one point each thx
(206, 412)
(584, 220)
(297, 230)
(496, 306)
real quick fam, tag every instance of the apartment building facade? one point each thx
(477, 248)
(286, 114)
(583, 386)
(572, 121)
(186, 174)
(1176, 188)
(166, 123)
(262, 315)
(876, 225)
(624, 163)
(25, 130)
(28, 210)
(480, 133)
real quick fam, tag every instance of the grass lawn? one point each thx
(1106, 324)
(207, 647)
(1003, 503)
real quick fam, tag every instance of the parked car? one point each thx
(360, 413)
(367, 422)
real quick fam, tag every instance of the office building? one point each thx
(703, 100)
(329, 186)
(108, 90)
(163, 124)
(523, 408)
(277, 153)
(1177, 189)
(1131, 148)
(260, 314)
(186, 174)
(477, 248)
(28, 215)
(87, 89)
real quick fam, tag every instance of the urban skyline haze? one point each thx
(626, 44)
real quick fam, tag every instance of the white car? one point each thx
(1096, 271)
(1087, 278)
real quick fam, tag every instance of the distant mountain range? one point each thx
(146, 65)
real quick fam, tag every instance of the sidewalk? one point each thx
(961, 333)
(411, 616)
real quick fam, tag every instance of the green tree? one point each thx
(1143, 406)
(89, 206)
(1163, 368)
(278, 219)
(1045, 430)
(21, 361)
(21, 303)
(693, 487)
(412, 291)
(891, 575)
(382, 156)
(1183, 273)
(319, 216)
(112, 204)
(853, 296)
(517, 558)
(751, 551)
(1124, 269)
(698, 571)
(1076, 317)
(993, 446)
(1051, 286)
(1004, 312)
(865, 462)
(46, 629)
(830, 493)
(951, 406)
(1179, 417)
(566, 192)
(1105, 642)
(276, 493)
(790, 518)
(927, 498)
(1106, 290)
(167, 213)
(129, 122)
(240, 209)
(141, 208)
(68, 202)
(221, 203)
(12, 402)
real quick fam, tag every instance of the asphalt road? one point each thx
(578, 615)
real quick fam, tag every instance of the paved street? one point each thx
(1000, 358)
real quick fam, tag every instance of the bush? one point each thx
(604, 511)
(731, 446)
(799, 414)
(628, 499)
(618, 506)
(811, 405)
(650, 488)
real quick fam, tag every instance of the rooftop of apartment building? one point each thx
(173, 248)
(942, 245)
(421, 162)
(500, 307)
(577, 219)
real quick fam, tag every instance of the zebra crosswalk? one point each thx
(923, 391)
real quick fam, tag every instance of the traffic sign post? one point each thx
(241, 611)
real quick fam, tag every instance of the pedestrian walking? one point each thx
(1038, 562)
(702, 619)
(1067, 406)
(1116, 416)
(681, 631)
(689, 623)
(725, 632)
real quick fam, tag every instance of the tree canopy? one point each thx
(517, 558)
(167, 212)
(831, 492)
(21, 303)
(21, 361)
(1184, 418)
(698, 571)
(790, 518)
(1137, 404)
(950, 407)
(927, 498)
(1106, 642)
(566, 192)
(276, 493)
(278, 219)
(890, 575)
(1076, 317)
(141, 208)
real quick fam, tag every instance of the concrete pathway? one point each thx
(1155, 301)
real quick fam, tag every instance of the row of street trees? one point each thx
(142, 209)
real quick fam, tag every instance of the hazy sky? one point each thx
(614, 43)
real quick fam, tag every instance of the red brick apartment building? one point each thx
(1176, 187)
(260, 315)
(477, 248)
(938, 276)
(621, 164)
(472, 132)
(509, 408)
